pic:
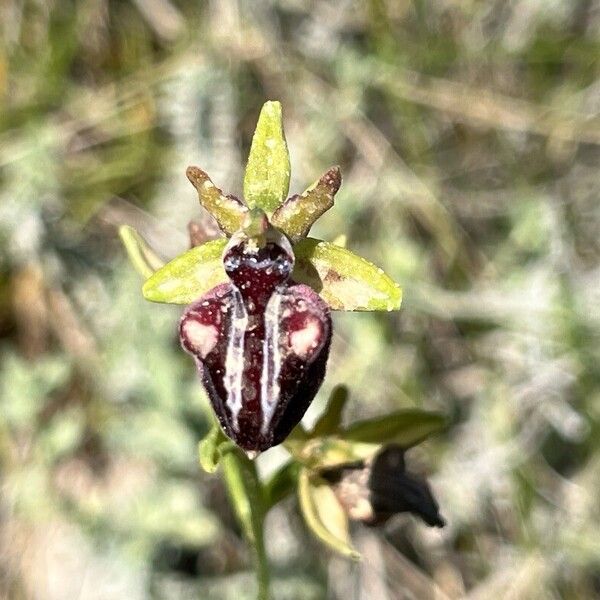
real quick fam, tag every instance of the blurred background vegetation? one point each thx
(468, 135)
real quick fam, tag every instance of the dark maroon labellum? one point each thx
(260, 342)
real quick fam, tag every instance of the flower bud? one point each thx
(374, 490)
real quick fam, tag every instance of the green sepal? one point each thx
(330, 451)
(298, 213)
(344, 280)
(267, 176)
(324, 514)
(296, 441)
(406, 427)
(330, 420)
(187, 277)
(227, 210)
(209, 448)
(363, 439)
(142, 257)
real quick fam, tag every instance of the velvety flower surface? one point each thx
(260, 342)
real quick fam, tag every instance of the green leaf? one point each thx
(208, 449)
(297, 214)
(188, 276)
(330, 420)
(296, 441)
(267, 177)
(227, 210)
(344, 280)
(363, 439)
(143, 258)
(282, 483)
(405, 427)
(324, 514)
(246, 495)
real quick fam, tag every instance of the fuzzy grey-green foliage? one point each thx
(468, 136)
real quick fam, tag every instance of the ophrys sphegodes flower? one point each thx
(258, 322)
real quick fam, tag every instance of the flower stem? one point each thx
(247, 496)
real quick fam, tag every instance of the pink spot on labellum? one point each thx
(305, 339)
(200, 337)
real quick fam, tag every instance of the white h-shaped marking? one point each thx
(269, 379)
(234, 359)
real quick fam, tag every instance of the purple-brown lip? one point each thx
(260, 342)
